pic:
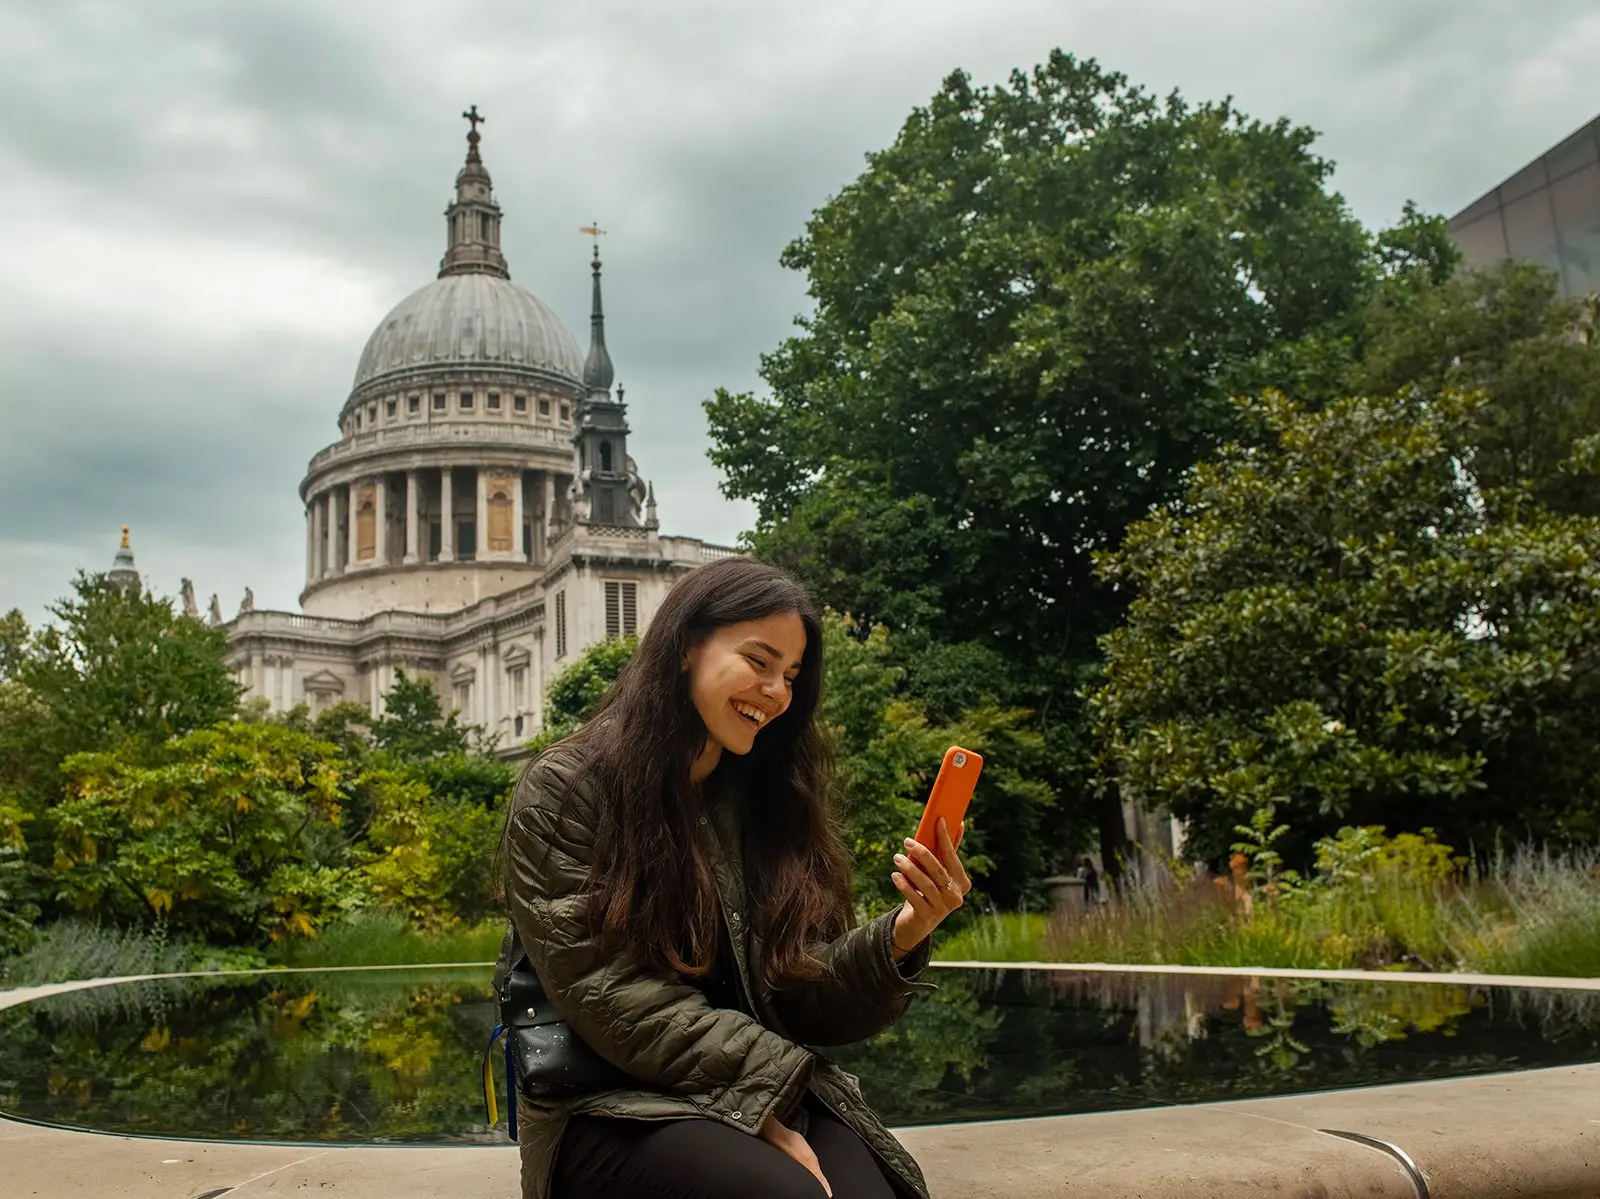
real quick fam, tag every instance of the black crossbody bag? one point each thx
(545, 1059)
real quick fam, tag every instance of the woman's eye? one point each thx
(755, 661)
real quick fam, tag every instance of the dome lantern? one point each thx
(472, 222)
(123, 573)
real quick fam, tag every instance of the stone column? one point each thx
(447, 514)
(517, 553)
(534, 703)
(258, 676)
(549, 508)
(311, 540)
(319, 543)
(380, 517)
(482, 553)
(350, 529)
(330, 557)
(413, 506)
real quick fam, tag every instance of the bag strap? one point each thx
(489, 1109)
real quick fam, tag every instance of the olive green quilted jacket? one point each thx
(690, 1059)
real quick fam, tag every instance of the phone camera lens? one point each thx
(960, 760)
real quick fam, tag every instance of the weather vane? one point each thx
(593, 231)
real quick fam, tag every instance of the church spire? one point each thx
(472, 222)
(598, 372)
(123, 573)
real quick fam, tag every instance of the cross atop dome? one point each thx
(472, 228)
(473, 136)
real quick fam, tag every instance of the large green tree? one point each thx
(1337, 621)
(1505, 332)
(114, 670)
(1030, 311)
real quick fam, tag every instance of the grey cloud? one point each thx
(701, 132)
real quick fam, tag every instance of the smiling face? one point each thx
(741, 678)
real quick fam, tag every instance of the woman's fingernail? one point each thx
(900, 858)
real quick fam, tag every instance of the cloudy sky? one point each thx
(208, 206)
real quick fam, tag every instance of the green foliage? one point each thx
(1030, 311)
(236, 832)
(576, 692)
(1336, 621)
(432, 854)
(1507, 333)
(117, 671)
(1540, 915)
(414, 726)
(1374, 901)
(121, 666)
(18, 910)
(884, 748)
(74, 949)
(377, 937)
(1258, 845)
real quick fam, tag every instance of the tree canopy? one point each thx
(1337, 621)
(1030, 312)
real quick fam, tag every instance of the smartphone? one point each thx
(952, 791)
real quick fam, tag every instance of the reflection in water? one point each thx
(1055, 1042)
(392, 1056)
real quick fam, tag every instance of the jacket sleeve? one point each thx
(861, 992)
(653, 1026)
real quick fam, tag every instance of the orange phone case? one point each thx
(952, 792)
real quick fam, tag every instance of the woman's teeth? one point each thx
(751, 713)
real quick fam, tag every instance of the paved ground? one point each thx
(1531, 1134)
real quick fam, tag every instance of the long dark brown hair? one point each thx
(650, 882)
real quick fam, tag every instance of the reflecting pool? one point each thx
(393, 1056)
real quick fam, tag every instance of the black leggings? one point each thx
(603, 1158)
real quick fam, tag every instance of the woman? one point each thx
(683, 896)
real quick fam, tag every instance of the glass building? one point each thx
(1548, 212)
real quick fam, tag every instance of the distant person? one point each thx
(1091, 881)
(683, 895)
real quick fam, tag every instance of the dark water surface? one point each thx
(393, 1056)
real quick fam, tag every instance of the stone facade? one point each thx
(480, 521)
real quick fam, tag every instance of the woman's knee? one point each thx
(682, 1159)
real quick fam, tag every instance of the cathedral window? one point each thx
(607, 509)
(622, 609)
(605, 456)
(414, 404)
(493, 403)
(372, 414)
(519, 689)
(566, 412)
(438, 401)
(466, 401)
(389, 408)
(561, 624)
(520, 404)
(544, 406)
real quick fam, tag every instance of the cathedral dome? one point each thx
(467, 320)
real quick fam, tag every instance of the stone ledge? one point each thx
(1534, 1135)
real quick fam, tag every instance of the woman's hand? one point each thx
(780, 1136)
(934, 886)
